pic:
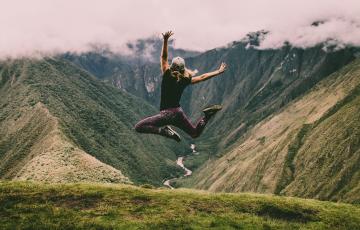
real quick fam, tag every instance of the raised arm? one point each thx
(206, 76)
(164, 52)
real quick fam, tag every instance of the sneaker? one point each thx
(211, 110)
(170, 133)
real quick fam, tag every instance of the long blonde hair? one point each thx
(185, 75)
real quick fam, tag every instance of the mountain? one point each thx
(89, 206)
(136, 70)
(283, 112)
(149, 49)
(309, 148)
(261, 85)
(60, 124)
(258, 82)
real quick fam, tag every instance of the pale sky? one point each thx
(30, 26)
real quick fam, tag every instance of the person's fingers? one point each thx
(222, 67)
(167, 34)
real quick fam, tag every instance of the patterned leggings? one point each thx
(172, 116)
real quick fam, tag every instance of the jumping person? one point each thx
(174, 80)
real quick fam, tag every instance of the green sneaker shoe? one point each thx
(167, 131)
(211, 110)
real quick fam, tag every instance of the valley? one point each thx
(272, 136)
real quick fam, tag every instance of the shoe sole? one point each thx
(178, 139)
(213, 107)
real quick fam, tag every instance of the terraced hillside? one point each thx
(84, 206)
(310, 148)
(60, 124)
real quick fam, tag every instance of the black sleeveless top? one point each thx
(171, 90)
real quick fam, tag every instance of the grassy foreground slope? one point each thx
(278, 156)
(55, 118)
(83, 206)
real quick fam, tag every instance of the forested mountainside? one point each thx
(58, 123)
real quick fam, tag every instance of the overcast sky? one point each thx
(29, 26)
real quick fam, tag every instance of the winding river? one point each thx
(188, 172)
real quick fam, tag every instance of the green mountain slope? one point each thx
(258, 83)
(56, 118)
(329, 154)
(302, 150)
(82, 206)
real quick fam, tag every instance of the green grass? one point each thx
(84, 206)
(289, 167)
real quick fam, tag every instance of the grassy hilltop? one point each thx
(84, 206)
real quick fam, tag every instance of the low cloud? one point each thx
(336, 32)
(30, 27)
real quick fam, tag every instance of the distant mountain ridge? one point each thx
(136, 71)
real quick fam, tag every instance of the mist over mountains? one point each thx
(40, 28)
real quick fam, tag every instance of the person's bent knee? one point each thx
(138, 127)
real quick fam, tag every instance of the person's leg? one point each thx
(154, 125)
(151, 124)
(183, 122)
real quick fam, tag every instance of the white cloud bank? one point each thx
(46, 26)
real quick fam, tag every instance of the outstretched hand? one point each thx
(167, 34)
(222, 67)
